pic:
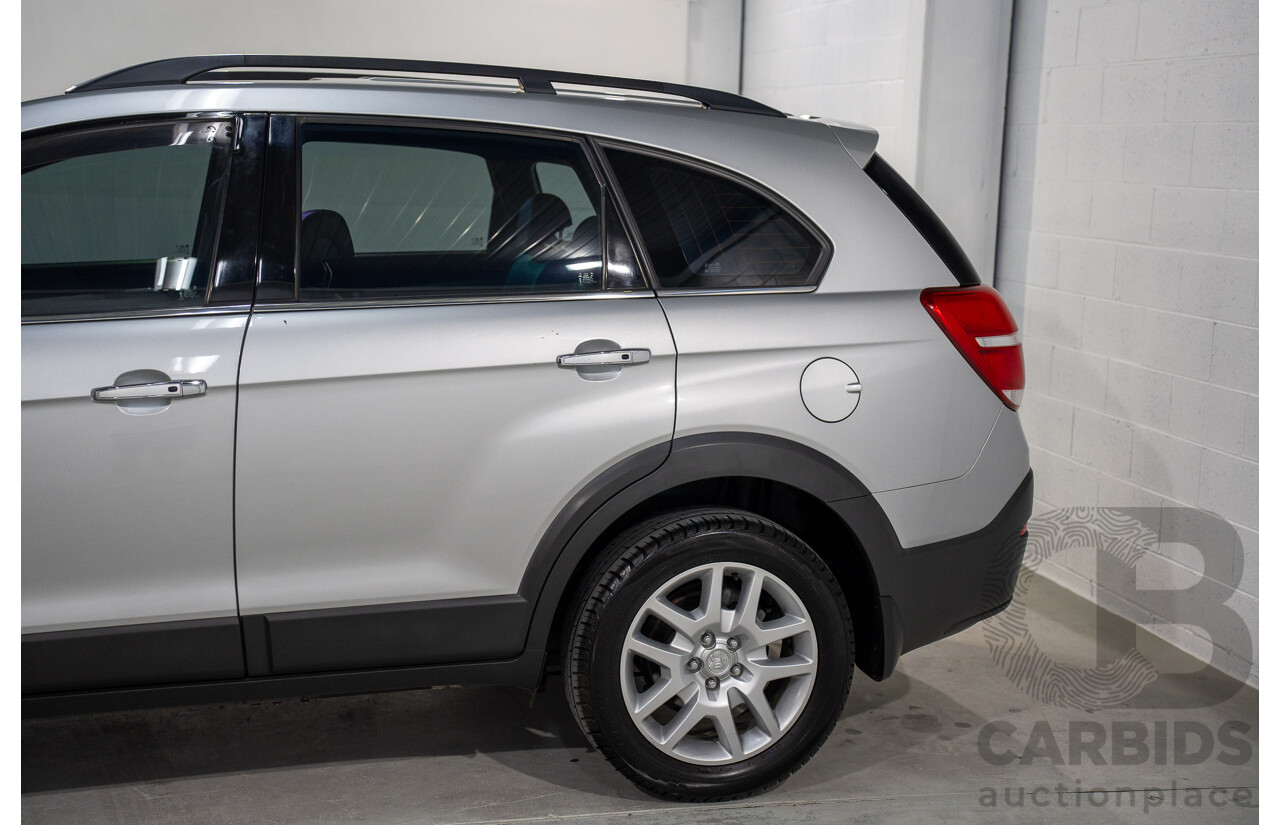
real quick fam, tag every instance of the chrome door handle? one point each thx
(158, 389)
(614, 358)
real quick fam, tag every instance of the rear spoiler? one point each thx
(859, 141)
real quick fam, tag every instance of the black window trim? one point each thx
(916, 210)
(243, 172)
(826, 247)
(615, 201)
(274, 296)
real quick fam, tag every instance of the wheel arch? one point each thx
(776, 478)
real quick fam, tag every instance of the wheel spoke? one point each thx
(749, 600)
(727, 731)
(689, 715)
(665, 656)
(683, 623)
(772, 669)
(755, 700)
(779, 629)
(712, 595)
(643, 706)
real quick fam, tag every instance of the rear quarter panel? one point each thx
(923, 415)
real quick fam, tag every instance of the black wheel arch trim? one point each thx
(914, 596)
(602, 503)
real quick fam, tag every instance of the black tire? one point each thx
(616, 603)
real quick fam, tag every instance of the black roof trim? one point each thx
(179, 70)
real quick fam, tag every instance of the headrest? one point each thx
(540, 219)
(324, 237)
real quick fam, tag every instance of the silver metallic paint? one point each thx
(393, 455)
(127, 518)
(932, 512)
(923, 414)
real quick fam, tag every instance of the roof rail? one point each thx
(178, 70)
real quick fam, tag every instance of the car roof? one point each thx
(411, 88)
(179, 70)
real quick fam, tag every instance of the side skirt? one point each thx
(309, 652)
(523, 671)
(103, 657)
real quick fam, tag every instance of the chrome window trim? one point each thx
(233, 309)
(455, 300)
(755, 290)
(826, 246)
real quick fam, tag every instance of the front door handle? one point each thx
(155, 389)
(613, 358)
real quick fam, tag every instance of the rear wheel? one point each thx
(710, 655)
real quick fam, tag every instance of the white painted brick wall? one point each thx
(1121, 211)
(1189, 218)
(1178, 344)
(1093, 261)
(1107, 34)
(1138, 394)
(1209, 415)
(1134, 92)
(1129, 245)
(1158, 153)
(844, 59)
(1113, 327)
(1240, 227)
(1102, 442)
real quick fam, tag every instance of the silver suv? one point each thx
(348, 375)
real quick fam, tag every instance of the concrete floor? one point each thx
(906, 750)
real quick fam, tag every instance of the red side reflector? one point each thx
(977, 321)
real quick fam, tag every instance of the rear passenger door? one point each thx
(451, 338)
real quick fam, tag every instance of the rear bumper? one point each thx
(935, 590)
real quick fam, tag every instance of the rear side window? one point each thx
(121, 218)
(401, 198)
(393, 211)
(562, 181)
(705, 231)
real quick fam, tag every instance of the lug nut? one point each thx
(695, 665)
(708, 640)
(735, 671)
(713, 683)
(733, 643)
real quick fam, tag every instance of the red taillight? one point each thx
(977, 321)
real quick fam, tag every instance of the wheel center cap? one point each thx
(718, 662)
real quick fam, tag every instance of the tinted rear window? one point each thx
(705, 231)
